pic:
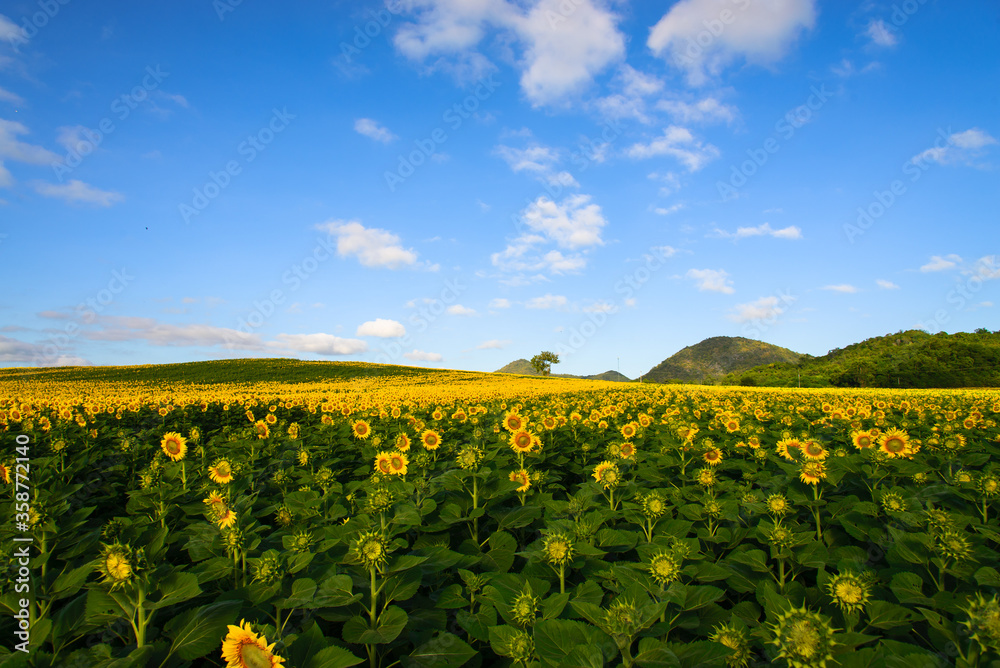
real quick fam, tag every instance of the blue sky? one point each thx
(460, 183)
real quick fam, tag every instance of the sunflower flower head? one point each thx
(849, 590)
(984, 622)
(653, 505)
(242, 648)
(736, 640)
(522, 478)
(952, 544)
(371, 548)
(707, 477)
(664, 568)
(119, 564)
(174, 445)
(557, 549)
(221, 471)
(803, 638)
(268, 569)
(524, 609)
(607, 475)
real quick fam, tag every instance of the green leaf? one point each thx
(68, 583)
(656, 654)
(908, 588)
(303, 590)
(501, 555)
(501, 637)
(451, 597)
(333, 657)
(335, 592)
(701, 654)
(885, 615)
(445, 649)
(391, 623)
(307, 644)
(197, 632)
(519, 516)
(553, 606)
(699, 596)
(478, 625)
(555, 639)
(402, 586)
(987, 577)
(755, 559)
(176, 588)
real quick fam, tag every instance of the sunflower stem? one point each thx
(373, 614)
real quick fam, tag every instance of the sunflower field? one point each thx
(487, 520)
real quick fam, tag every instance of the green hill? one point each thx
(524, 368)
(905, 359)
(715, 357)
(220, 371)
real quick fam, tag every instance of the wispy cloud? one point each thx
(886, 285)
(373, 130)
(939, 263)
(712, 280)
(546, 302)
(790, 232)
(373, 247)
(843, 287)
(381, 328)
(78, 192)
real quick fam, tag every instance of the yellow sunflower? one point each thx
(628, 430)
(713, 457)
(221, 472)
(430, 439)
(402, 442)
(522, 478)
(397, 463)
(861, 439)
(174, 445)
(606, 473)
(522, 441)
(263, 431)
(786, 446)
(814, 450)
(895, 443)
(242, 648)
(382, 463)
(5, 473)
(361, 429)
(513, 422)
(812, 471)
(627, 450)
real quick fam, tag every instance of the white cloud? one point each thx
(121, 328)
(382, 328)
(7, 96)
(959, 148)
(10, 32)
(493, 344)
(790, 232)
(879, 33)
(666, 211)
(709, 110)
(372, 246)
(546, 302)
(566, 44)
(600, 307)
(712, 280)
(458, 309)
(500, 302)
(563, 44)
(843, 287)
(373, 130)
(574, 223)
(680, 144)
(77, 191)
(12, 148)
(669, 181)
(421, 356)
(886, 285)
(939, 263)
(765, 308)
(704, 36)
(535, 158)
(320, 344)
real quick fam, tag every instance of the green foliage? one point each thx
(715, 357)
(910, 359)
